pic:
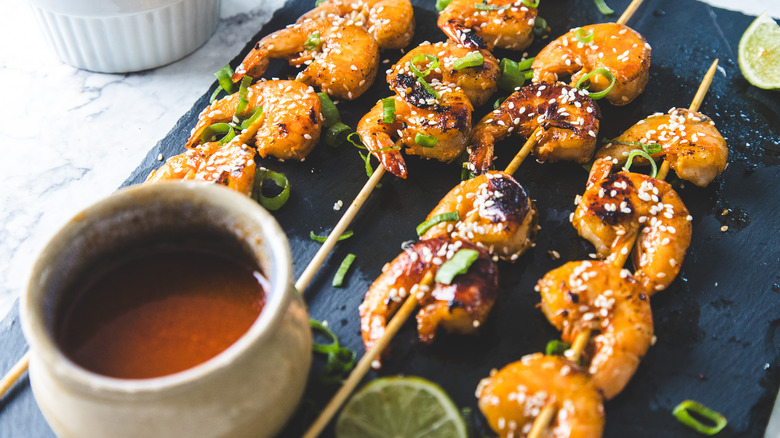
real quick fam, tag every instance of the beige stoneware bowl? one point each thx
(248, 390)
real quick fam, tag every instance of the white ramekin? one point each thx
(125, 35)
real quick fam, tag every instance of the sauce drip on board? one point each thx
(160, 312)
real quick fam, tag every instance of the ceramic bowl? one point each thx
(120, 36)
(250, 389)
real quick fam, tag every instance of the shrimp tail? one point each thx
(254, 65)
(481, 154)
(393, 161)
(463, 35)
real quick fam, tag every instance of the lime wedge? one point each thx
(759, 53)
(400, 407)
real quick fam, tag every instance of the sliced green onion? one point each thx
(275, 202)
(319, 2)
(487, 7)
(644, 155)
(388, 110)
(324, 348)
(588, 166)
(473, 59)
(251, 117)
(215, 93)
(243, 102)
(367, 156)
(346, 235)
(540, 26)
(341, 360)
(603, 8)
(584, 36)
(441, 4)
(528, 75)
(530, 4)
(652, 148)
(338, 280)
(498, 102)
(425, 141)
(451, 216)
(330, 113)
(433, 65)
(511, 77)
(458, 264)
(337, 134)
(526, 63)
(681, 412)
(225, 78)
(221, 132)
(312, 41)
(599, 71)
(556, 348)
(465, 172)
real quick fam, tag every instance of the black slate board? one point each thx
(718, 326)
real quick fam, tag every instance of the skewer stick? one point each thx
(543, 420)
(371, 355)
(14, 374)
(338, 230)
(629, 12)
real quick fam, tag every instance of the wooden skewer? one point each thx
(629, 12)
(14, 374)
(371, 355)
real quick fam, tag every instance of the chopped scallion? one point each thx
(441, 4)
(531, 4)
(433, 64)
(425, 141)
(252, 117)
(276, 202)
(487, 7)
(330, 113)
(324, 348)
(312, 41)
(338, 280)
(683, 416)
(337, 134)
(498, 102)
(473, 59)
(346, 235)
(341, 360)
(511, 76)
(243, 102)
(603, 8)
(221, 132)
(556, 348)
(599, 71)
(388, 110)
(540, 26)
(644, 155)
(225, 79)
(458, 264)
(584, 36)
(451, 216)
(367, 156)
(526, 63)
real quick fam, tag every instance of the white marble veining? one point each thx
(71, 137)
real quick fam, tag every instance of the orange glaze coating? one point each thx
(513, 397)
(607, 300)
(503, 24)
(231, 165)
(617, 207)
(689, 142)
(289, 127)
(568, 118)
(478, 83)
(616, 47)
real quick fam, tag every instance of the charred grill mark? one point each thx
(313, 115)
(512, 206)
(613, 183)
(283, 130)
(413, 92)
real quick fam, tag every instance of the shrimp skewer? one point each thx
(504, 24)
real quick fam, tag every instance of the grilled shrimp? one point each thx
(618, 48)
(460, 307)
(289, 127)
(607, 300)
(688, 140)
(231, 165)
(342, 60)
(390, 22)
(447, 122)
(479, 83)
(489, 24)
(568, 118)
(617, 207)
(513, 397)
(495, 213)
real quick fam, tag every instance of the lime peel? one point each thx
(759, 53)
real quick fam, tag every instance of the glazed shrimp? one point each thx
(447, 123)
(616, 47)
(460, 307)
(608, 301)
(569, 122)
(616, 208)
(342, 61)
(231, 165)
(688, 140)
(513, 397)
(503, 24)
(289, 127)
(390, 22)
(495, 214)
(478, 83)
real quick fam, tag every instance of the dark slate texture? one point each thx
(717, 326)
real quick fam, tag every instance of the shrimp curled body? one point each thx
(607, 300)
(568, 119)
(616, 47)
(688, 140)
(513, 397)
(495, 213)
(617, 207)
(504, 24)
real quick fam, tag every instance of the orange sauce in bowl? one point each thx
(159, 313)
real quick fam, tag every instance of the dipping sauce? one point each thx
(160, 312)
